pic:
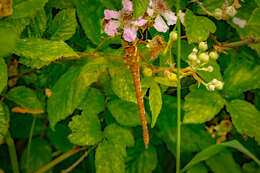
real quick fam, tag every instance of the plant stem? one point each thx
(12, 152)
(241, 43)
(178, 146)
(29, 144)
(59, 159)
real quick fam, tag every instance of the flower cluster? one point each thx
(124, 20)
(215, 84)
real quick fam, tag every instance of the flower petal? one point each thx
(170, 17)
(111, 14)
(127, 5)
(160, 25)
(139, 22)
(129, 34)
(182, 15)
(240, 22)
(111, 27)
(150, 9)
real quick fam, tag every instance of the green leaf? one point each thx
(201, 105)
(199, 168)
(25, 97)
(38, 24)
(89, 19)
(108, 159)
(241, 76)
(93, 103)
(140, 7)
(61, 4)
(245, 117)
(125, 113)
(146, 162)
(223, 162)
(59, 138)
(86, 129)
(215, 149)
(215, 74)
(27, 8)
(69, 91)
(120, 137)
(211, 5)
(43, 50)
(165, 81)
(40, 155)
(4, 121)
(155, 101)
(8, 38)
(198, 28)
(64, 25)
(123, 85)
(3, 75)
(251, 167)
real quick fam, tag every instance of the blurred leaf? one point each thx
(59, 138)
(241, 76)
(198, 28)
(125, 113)
(61, 4)
(251, 167)
(165, 81)
(69, 91)
(201, 105)
(18, 24)
(38, 25)
(120, 137)
(140, 7)
(146, 162)
(223, 162)
(108, 159)
(40, 155)
(27, 8)
(215, 149)
(90, 18)
(3, 75)
(199, 168)
(4, 121)
(123, 85)
(63, 26)
(211, 5)
(245, 117)
(8, 38)
(93, 103)
(86, 129)
(155, 101)
(43, 50)
(25, 97)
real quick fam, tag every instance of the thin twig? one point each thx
(59, 159)
(241, 43)
(202, 7)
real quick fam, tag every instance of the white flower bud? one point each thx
(211, 87)
(192, 57)
(210, 69)
(218, 13)
(194, 50)
(219, 85)
(231, 11)
(214, 81)
(173, 36)
(198, 61)
(213, 55)
(204, 57)
(203, 46)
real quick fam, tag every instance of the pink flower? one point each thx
(109, 14)
(129, 34)
(161, 8)
(124, 17)
(111, 27)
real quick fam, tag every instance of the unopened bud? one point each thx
(219, 85)
(231, 11)
(194, 50)
(192, 57)
(218, 13)
(203, 46)
(211, 87)
(213, 55)
(147, 72)
(173, 36)
(210, 69)
(204, 57)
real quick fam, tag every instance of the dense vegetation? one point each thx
(68, 102)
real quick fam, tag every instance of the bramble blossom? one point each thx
(123, 17)
(161, 9)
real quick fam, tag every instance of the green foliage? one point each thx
(140, 7)
(196, 111)
(8, 38)
(3, 75)
(198, 28)
(245, 117)
(4, 121)
(86, 129)
(155, 100)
